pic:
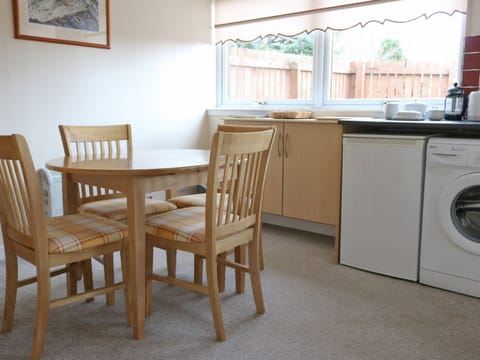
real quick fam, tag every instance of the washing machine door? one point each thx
(459, 210)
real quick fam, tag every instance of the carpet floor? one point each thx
(315, 309)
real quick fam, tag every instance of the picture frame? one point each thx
(72, 22)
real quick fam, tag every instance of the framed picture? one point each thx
(74, 22)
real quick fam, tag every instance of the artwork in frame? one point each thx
(74, 22)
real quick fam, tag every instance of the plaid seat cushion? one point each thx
(192, 200)
(116, 209)
(76, 232)
(187, 224)
(188, 200)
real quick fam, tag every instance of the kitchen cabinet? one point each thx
(273, 192)
(311, 171)
(303, 180)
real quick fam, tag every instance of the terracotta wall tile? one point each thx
(471, 77)
(471, 61)
(471, 64)
(472, 43)
(468, 90)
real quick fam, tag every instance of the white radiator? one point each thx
(51, 184)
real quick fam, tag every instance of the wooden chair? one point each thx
(238, 163)
(183, 201)
(105, 141)
(52, 245)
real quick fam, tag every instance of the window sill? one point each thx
(259, 113)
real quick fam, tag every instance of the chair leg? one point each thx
(221, 269)
(240, 255)
(41, 316)
(172, 262)
(73, 270)
(124, 262)
(78, 273)
(212, 283)
(255, 277)
(86, 267)
(198, 269)
(260, 250)
(10, 290)
(109, 274)
(148, 276)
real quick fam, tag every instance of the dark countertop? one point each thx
(417, 126)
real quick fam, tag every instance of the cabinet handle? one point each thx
(279, 144)
(286, 146)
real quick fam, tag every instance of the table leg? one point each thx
(70, 195)
(136, 253)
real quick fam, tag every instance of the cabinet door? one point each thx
(272, 195)
(312, 172)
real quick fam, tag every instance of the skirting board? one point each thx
(304, 225)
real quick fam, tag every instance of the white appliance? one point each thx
(51, 186)
(474, 106)
(382, 183)
(450, 250)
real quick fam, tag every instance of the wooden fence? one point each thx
(263, 75)
(258, 75)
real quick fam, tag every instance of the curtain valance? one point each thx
(247, 20)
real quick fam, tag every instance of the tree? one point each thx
(390, 49)
(300, 45)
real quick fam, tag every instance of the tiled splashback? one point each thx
(471, 64)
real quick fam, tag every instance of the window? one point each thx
(270, 69)
(358, 66)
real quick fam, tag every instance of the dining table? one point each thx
(135, 175)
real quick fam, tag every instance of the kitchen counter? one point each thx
(368, 124)
(422, 126)
(322, 120)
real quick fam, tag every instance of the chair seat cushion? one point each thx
(116, 209)
(194, 200)
(188, 200)
(77, 232)
(187, 225)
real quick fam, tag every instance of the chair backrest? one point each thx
(107, 141)
(102, 141)
(239, 159)
(21, 212)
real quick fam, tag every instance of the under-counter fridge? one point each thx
(382, 190)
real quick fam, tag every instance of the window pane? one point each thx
(274, 68)
(417, 60)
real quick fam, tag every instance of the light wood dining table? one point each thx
(135, 175)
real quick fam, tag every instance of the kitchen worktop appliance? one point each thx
(455, 103)
(474, 106)
(382, 185)
(450, 243)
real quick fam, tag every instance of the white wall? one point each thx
(473, 22)
(158, 76)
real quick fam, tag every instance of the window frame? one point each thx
(321, 78)
(222, 75)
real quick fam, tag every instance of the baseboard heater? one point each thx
(52, 195)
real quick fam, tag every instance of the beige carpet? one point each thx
(316, 309)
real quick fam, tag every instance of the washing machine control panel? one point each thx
(474, 156)
(456, 153)
(447, 154)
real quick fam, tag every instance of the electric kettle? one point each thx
(391, 109)
(455, 103)
(474, 106)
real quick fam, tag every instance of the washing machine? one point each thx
(450, 240)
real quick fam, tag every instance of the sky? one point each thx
(440, 40)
